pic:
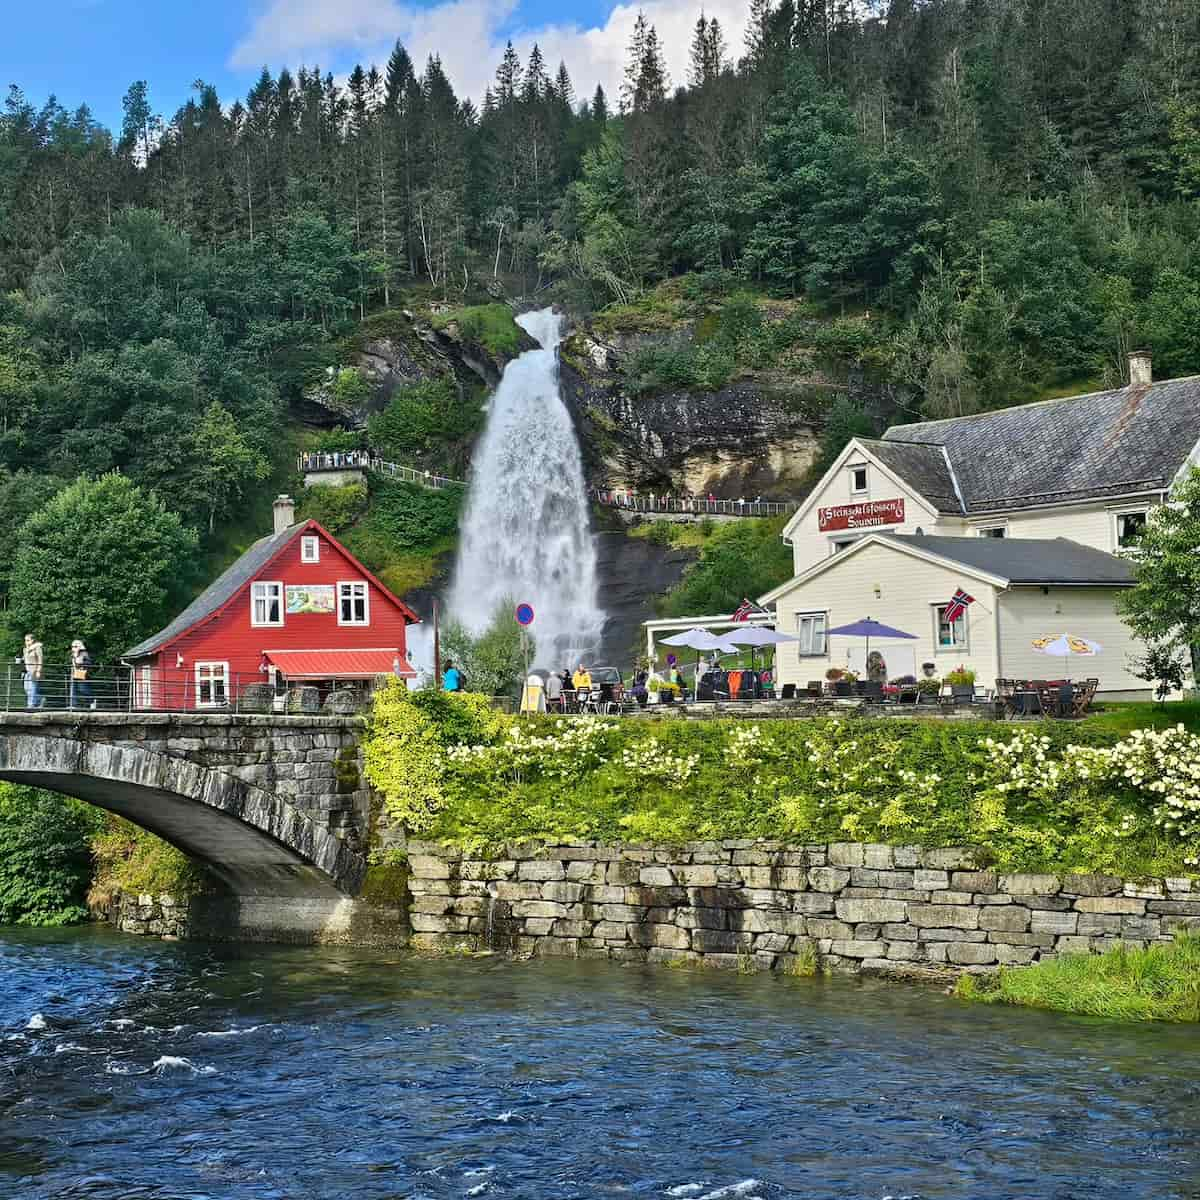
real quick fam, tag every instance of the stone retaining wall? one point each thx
(900, 910)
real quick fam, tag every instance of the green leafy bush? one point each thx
(1070, 798)
(423, 418)
(336, 508)
(491, 325)
(132, 861)
(45, 857)
(402, 517)
(743, 558)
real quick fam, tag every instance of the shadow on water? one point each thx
(131, 1069)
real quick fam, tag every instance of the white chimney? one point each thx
(285, 513)
(1140, 371)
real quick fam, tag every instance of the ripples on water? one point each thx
(131, 1069)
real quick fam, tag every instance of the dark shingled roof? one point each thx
(1133, 439)
(223, 588)
(1025, 560)
(923, 467)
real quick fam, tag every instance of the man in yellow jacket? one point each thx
(582, 679)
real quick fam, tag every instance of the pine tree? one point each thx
(636, 55)
(698, 57)
(599, 106)
(536, 85)
(508, 77)
(564, 89)
(653, 79)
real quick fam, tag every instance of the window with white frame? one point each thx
(353, 605)
(858, 479)
(836, 545)
(951, 635)
(1130, 526)
(991, 531)
(212, 684)
(144, 694)
(810, 627)
(266, 603)
(310, 549)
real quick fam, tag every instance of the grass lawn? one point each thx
(1160, 983)
(1123, 719)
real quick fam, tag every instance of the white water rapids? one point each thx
(525, 534)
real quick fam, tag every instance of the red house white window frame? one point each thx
(266, 598)
(310, 549)
(212, 684)
(353, 602)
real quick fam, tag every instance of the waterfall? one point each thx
(525, 534)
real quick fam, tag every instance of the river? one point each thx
(133, 1069)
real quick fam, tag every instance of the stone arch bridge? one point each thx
(274, 805)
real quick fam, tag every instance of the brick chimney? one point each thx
(1140, 372)
(285, 513)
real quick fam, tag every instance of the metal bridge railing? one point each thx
(691, 505)
(312, 462)
(136, 689)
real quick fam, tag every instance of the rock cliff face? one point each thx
(397, 349)
(756, 435)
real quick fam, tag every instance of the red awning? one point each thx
(340, 664)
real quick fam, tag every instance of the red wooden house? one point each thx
(296, 609)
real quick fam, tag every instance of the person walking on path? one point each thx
(81, 673)
(31, 656)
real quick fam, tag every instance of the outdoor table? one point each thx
(1026, 702)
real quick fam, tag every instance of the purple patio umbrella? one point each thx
(871, 629)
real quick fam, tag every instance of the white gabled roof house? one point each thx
(1024, 508)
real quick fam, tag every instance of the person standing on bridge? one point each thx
(81, 671)
(32, 658)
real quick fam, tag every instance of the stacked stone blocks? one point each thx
(859, 907)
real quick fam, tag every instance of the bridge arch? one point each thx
(254, 841)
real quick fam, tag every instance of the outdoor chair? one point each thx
(1051, 697)
(1085, 693)
(789, 691)
(873, 691)
(814, 689)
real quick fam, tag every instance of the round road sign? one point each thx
(524, 614)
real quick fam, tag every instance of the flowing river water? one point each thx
(133, 1069)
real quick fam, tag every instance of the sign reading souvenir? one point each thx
(870, 514)
(310, 598)
(524, 614)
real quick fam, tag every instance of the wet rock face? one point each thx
(633, 573)
(753, 436)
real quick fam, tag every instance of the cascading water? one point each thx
(525, 535)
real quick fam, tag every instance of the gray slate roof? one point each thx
(1132, 439)
(924, 467)
(222, 589)
(1026, 560)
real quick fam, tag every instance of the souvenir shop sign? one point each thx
(870, 514)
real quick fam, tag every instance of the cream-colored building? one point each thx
(1021, 589)
(1084, 469)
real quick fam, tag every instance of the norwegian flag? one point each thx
(958, 605)
(746, 610)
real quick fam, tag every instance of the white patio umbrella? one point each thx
(701, 639)
(758, 635)
(1064, 645)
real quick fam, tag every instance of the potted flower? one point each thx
(962, 683)
(844, 686)
(928, 690)
(834, 674)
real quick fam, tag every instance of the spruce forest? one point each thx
(980, 202)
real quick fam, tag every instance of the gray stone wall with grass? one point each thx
(849, 906)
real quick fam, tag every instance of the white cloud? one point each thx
(468, 36)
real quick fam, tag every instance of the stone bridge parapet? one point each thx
(273, 804)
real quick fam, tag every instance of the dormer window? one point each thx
(310, 549)
(858, 480)
(1130, 527)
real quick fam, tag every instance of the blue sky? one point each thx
(91, 50)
